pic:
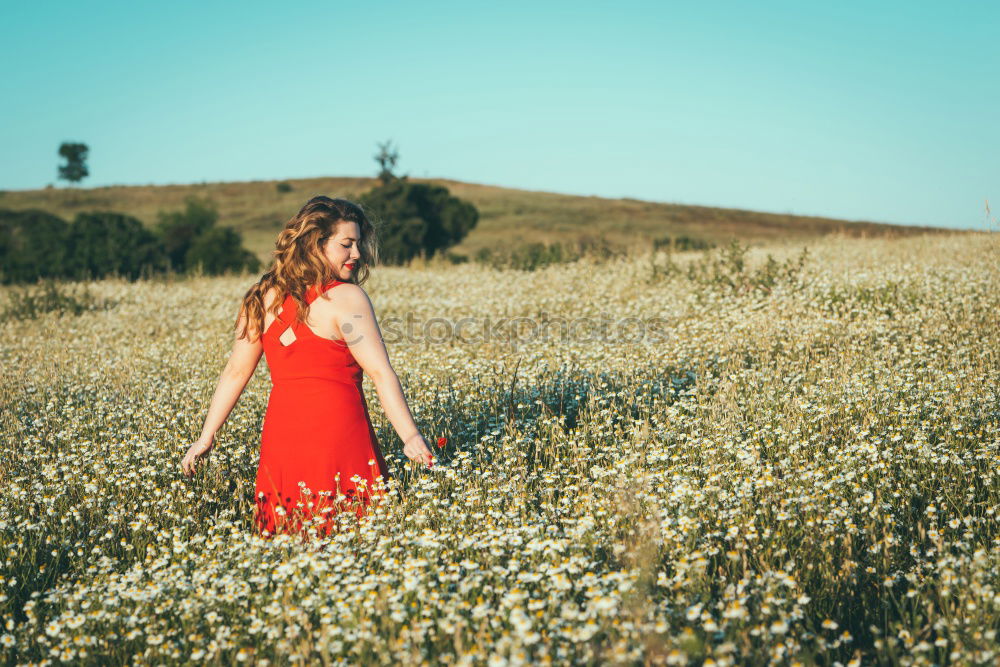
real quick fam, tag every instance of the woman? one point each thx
(315, 325)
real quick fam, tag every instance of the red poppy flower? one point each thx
(442, 442)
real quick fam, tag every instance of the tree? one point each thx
(102, 243)
(218, 250)
(35, 244)
(387, 158)
(75, 155)
(32, 245)
(418, 219)
(179, 229)
(191, 239)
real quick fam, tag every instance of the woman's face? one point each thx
(341, 249)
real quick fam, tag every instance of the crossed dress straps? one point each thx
(286, 317)
(281, 322)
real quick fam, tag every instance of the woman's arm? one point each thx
(356, 321)
(239, 369)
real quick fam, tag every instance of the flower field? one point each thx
(728, 458)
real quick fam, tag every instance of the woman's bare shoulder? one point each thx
(347, 288)
(350, 296)
(270, 296)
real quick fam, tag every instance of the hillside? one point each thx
(507, 215)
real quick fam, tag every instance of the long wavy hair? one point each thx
(299, 262)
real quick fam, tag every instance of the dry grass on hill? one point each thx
(507, 215)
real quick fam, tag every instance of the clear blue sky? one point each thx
(861, 110)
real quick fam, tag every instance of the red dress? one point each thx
(317, 437)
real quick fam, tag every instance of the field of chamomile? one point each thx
(728, 457)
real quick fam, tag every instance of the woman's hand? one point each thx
(416, 449)
(194, 455)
